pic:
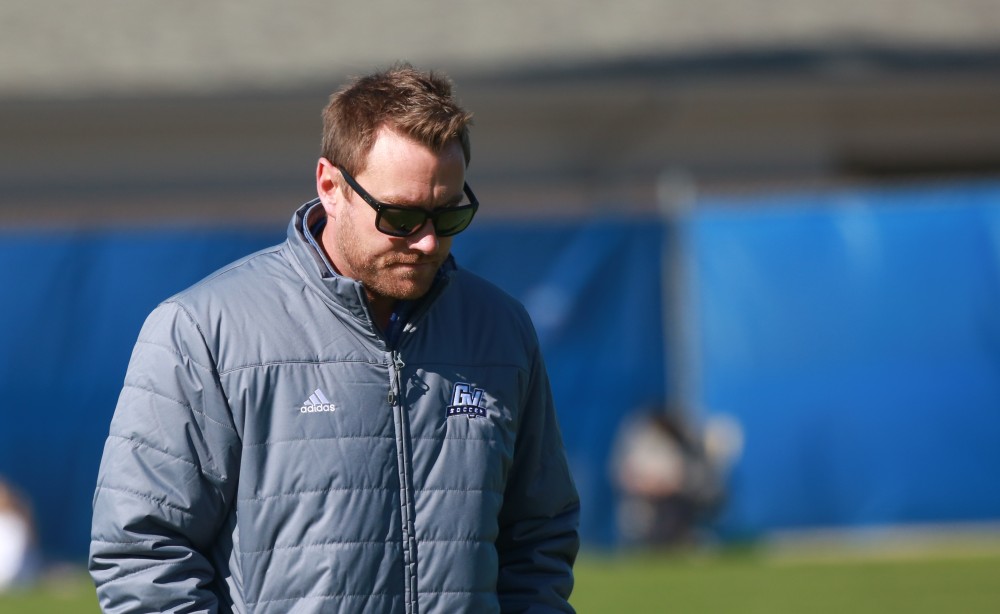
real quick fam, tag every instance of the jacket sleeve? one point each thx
(167, 477)
(538, 539)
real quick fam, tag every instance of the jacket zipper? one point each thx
(407, 505)
(404, 452)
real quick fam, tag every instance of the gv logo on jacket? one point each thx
(467, 401)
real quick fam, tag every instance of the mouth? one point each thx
(415, 264)
(414, 269)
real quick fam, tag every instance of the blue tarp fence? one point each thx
(854, 337)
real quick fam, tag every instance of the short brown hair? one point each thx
(417, 104)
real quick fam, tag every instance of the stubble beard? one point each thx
(378, 274)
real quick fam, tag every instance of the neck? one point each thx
(381, 309)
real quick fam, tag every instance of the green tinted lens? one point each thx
(401, 222)
(453, 221)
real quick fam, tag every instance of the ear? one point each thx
(327, 185)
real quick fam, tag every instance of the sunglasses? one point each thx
(398, 221)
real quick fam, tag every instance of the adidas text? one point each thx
(308, 409)
(317, 402)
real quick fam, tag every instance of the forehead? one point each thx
(394, 148)
(400, 170)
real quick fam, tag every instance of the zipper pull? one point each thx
(397, 365)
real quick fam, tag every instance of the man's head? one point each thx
(415, 104)
(401, 139)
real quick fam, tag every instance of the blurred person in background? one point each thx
(669, 485)
(348, 421)
(18, 546)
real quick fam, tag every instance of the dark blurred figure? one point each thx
(669, 485)
(18, 546)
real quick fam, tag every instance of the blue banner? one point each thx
(855, 337)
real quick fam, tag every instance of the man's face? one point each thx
(402, 172)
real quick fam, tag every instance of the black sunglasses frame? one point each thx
(429, 214)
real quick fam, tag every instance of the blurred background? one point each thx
(770, 229)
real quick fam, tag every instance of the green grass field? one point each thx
(940, 581)
(749, 584)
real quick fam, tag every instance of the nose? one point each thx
(425, 240)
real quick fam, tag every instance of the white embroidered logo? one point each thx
(316, 402)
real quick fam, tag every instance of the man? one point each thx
(346, 422)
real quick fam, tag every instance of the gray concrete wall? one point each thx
(71, 48)
(150, 112)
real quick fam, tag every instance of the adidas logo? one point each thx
(317, 402)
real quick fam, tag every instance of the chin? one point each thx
(412, 294)
(411, 288)
(402, 290)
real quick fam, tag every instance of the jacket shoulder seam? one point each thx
(173, 351)
(181, 403)
(187, 313)
(144, 444)
(233, 266)
(134, 572)
(147, 497)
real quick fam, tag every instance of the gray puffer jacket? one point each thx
(272, 452)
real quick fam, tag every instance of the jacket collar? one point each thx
(317, 271)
